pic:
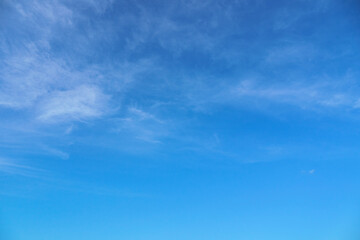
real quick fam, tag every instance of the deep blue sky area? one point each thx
(188, 119)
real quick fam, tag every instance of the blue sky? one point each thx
(181, 119)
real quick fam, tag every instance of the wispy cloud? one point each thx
(33, 78)
(143, 125)
(78, 104)
(29, 74)
(289, 17)
(64, 62)
(12, 168)
(291, 53)
(310, 172)
(301, 94)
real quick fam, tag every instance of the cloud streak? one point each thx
(64, 63)
(78, 104)
(11, 168)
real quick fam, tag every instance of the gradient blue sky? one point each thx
(189, 119)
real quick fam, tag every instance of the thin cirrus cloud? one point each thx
(10, 167)
(297, 94)
(143, 125)
(33, 74)
(69, 62)
(78, 104)
(178, 101)
(50, 87)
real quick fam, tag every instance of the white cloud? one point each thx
(26, 75)
(357, 104)
(31, 79)
(310, 172)
(294, 53)
(288, 17)
(79, 104)
(143, 125)
(300, 94)
(10, 167)
(141, 115)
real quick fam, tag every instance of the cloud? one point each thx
(301, 94)
(53, 152)
(289, 17)
(310, 172)
(78, 104)
(142, 115)
(28, 74)
(143, 126)
(293, 53)
(53, 11)
(259, 92)
(9, 167)
(66, 61)
(33, 80)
